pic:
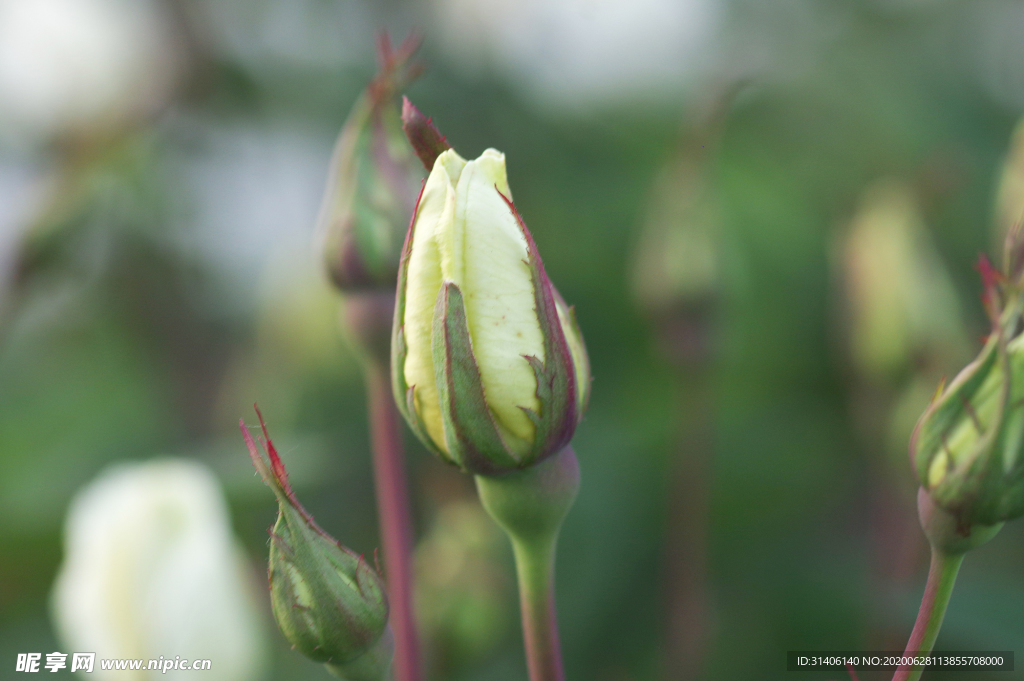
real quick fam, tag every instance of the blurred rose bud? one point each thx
(374, 178)
(462, 590)
(966, 448)
(902, 304)
(1009, 208)
(488, 363)
(330, 604)
(677, 261)
(151, 569)
(677, 265)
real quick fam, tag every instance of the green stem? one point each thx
(941, 578)
(535, 568)
(530, 505)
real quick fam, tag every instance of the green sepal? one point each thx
(328, 602)
(373, 665)
(471, 435)
(949, 409)
(582, 391)
(423, 136)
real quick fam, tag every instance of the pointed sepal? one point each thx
(424, 137)
(471, 434)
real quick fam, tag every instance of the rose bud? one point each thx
(329, 603)
(152, 569)
(903, 308)
(967, 445)
(1009, 201)
(374, 177)
(488, 364)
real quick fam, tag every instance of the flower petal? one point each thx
(436, 213)
(580, 361)
(489, 263)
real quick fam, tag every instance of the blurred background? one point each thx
(766, 215)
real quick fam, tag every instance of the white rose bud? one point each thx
(488, 364)
(151, 569)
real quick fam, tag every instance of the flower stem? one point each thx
(685, 549)
(535, 567)
(530, 505)
(395, 518)
(941, 577)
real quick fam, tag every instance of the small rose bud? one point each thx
(488, 364)
(967, 445)
(902, 304)
(678, 259)
(461, 588)
(677, 271)
(1009, 203)
(373, 182)
(330, 604)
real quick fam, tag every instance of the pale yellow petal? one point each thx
(435, 214)
(489, 263)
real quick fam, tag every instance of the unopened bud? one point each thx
(488, 364)
(151, 567)
(678, 257)
(1009, 208)
(967, 445)
(902, 303)
(372, 186)
(329, 603)
(677, 270)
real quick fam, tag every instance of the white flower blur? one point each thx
(151, 569)
(574, 53)
(73, 64)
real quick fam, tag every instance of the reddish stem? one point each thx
(685, 551)
(395, 519)
(941, 577)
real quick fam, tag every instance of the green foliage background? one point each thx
(132, 340)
